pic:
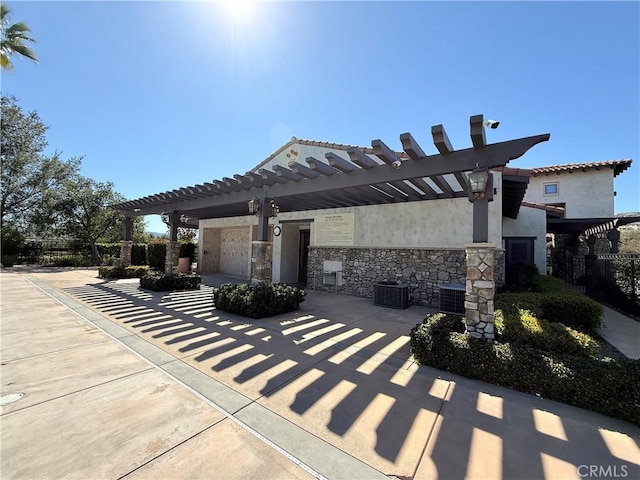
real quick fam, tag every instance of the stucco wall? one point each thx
(586, 194)
(434, 223)
(531, 222)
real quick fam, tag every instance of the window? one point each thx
(551, 188)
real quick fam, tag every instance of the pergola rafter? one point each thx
(385, 177)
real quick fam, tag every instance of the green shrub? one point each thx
(11, 240)
(70, 260)
(135, 271)
(111, 250)
(257, 301)
(549, 284)
(610, 387)
(520, 277)
(138, 254)
(162, 282)
(156, 254)
(572, 309)
(514, 325)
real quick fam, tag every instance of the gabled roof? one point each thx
(315, 143)
(618, 167)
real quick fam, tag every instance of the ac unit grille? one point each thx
(452, 299)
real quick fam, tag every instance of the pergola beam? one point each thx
(441, 140)
(383, 152)
(491, 156)
(476, 123)
(336, 161)
(361, 159)
(411, 147)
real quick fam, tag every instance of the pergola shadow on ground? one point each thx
(340, 368)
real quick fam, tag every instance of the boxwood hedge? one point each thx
(573, 309)
(514, 325)
(135, 271)
(163, 282)
(257, 301)
(610, 387)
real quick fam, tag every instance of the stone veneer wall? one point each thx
(171, 258)
(425, 270)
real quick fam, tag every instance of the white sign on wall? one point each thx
(336, 229)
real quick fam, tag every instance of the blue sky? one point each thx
(160, 95)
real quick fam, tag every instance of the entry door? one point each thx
(303, 259)
(518, 250)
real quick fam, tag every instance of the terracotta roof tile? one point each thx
(618, 166)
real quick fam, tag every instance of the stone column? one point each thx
(125, 253)
(127, 244)
(171, 259)
(614, 238)
(480, 290)
(261, 262)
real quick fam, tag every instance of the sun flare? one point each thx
(239, 10)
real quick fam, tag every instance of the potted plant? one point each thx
(186, 256)
(12, 240)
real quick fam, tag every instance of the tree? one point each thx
(13, 40)
(83, 206)
(116, 232)
(28, 178)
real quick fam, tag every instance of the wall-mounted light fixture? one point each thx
(254, 206)
(478, 182)
(275, 209)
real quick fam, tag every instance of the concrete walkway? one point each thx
(325, 392)
(622, 332)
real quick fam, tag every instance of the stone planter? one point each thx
(184, 265)
(391, 295)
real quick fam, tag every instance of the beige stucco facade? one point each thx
(531, 222)
(433, 224)
(585, 194)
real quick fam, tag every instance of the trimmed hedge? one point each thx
(549, 284)
(156, 254)
(257, 301)
(135, 271)
(522, 326)
(610, 387)
(573, 309)
(162, 282)
(139, 254)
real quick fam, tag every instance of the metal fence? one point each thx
(612, 278)
(55, 252)
(617, 281)
(572, 270)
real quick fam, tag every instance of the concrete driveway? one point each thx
(328, 391)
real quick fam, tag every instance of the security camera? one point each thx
(397, 164)
(492, 124)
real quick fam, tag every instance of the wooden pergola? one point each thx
(390, 177)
